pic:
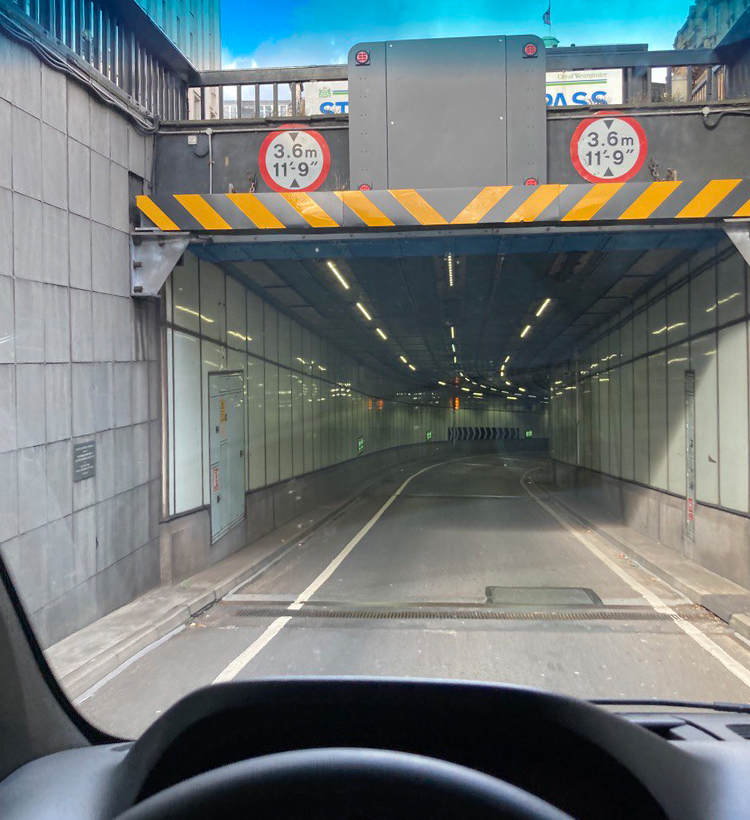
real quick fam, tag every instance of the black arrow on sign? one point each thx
(608, 123)
(294, 135)
(608, 173)
(295, 184)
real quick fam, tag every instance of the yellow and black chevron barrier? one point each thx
(624, 202)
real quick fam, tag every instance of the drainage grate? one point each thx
(467, 614)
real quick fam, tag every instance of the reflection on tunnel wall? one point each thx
(630, 396)
(307, 404)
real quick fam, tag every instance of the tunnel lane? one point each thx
(446, 570)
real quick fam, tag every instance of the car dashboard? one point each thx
(583, 759)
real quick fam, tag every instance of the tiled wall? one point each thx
(631, 384)
(78, 357)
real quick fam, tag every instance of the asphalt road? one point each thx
(404, 591)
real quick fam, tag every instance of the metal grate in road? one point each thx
(471, 614)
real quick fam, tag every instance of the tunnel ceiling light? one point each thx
(507, 359)
(478, 395)
(511, 398)
(455, 360)
(320, 367)
(380, 333)
(466, 390)
(338, 275)
(449, 261)
(453, 348)
(442, 384)
(453, 332)
(522, 389)
(404, 359)
(543, 306)
(525, 330)
(363, 310)
(411, 367)
(508, 383)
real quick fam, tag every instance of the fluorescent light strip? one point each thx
(404, 359)
(363, 310)
(453, 332)
(543, 306)
(525, 330)
(450, 270)
(338, 275)
(411, 367)
(380, 333)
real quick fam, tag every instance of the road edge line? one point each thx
(732, 665)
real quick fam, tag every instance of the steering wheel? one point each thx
(344, 784)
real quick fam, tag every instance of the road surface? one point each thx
(459, 569)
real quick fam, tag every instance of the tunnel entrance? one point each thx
(572, 342)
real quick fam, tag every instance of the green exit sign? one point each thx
(529, 434)
(360, 445)
(428, 435)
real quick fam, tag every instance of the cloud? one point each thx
(230, 60)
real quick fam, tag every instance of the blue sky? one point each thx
(306, 32)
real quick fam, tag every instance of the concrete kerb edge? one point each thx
(738, 621)
(93, 670)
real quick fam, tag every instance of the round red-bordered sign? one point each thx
(608, 148)
(294, 158)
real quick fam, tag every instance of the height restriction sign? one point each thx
(608, 148)
(294, 159)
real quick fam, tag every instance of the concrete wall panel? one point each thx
(57, 348)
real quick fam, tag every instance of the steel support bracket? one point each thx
(739, 232)
(152, 258)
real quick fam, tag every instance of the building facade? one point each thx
(194, 26)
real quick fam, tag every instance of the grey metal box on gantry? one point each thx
(447, 113)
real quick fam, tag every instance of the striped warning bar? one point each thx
(624, 203)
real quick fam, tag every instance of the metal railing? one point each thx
(257, 93)
(647, 77)
(147, 68)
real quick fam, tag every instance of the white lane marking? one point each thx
(230, 596)
(271, 631)
(243, 659)
(724, 658)
(92, 690)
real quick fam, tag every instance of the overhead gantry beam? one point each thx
(627, 203)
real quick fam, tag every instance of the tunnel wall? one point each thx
(78, 358)
(629, 402)
(307, 404)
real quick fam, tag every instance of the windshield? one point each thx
(395, 340)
